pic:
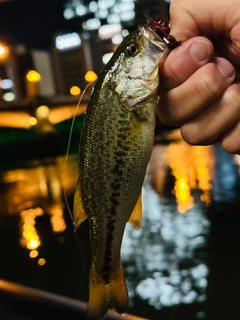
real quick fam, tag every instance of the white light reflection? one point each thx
(126, 6)
(113, 18)
(102, 14)
(92, 24)
(164, 253)
(67, 41)
(68, 13)
(81, 9)
(127, 15)
(9, 96)
(106, 57)
(93, 6)
(6, 84)
(226, 176)
(109, 30)
(117, 39)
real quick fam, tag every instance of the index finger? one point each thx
(183, 61)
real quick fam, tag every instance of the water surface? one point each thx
(184, 262)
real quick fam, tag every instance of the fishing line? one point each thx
(74, 117)
(69, 143)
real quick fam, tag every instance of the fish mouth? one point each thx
(153, 38)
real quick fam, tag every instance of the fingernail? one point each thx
(200, 50)
(225, 67)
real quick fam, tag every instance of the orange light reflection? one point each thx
(192, 168)
(57, 220)
(30, 238)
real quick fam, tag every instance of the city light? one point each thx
(41, 262)
(92, 24)
(90, 76)
(67, 41)
(8, 96)
(68, 13)
(102, 14)
(33, 76)
(113, 18)
(6, 84)
(42, 112)
(3, 52)
(93, 6)
(127, 15)
(32, 121)
(30, 238)
(117, 38)
(57, 218)
(81, 9)
(75, 90)
(33, 253)
(125, 32)
(33, 244)
(106, 57)
(107, 31)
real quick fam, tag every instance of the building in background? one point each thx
(42, 62)
(95, 29)
(72, 59)
(14, 68)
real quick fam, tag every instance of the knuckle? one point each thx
(206, 88)
(194, 135)
(167, 119)
(232, 97)
(167, 112)
(191, 134)
(171, 75)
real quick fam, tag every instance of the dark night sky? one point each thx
(31, 22)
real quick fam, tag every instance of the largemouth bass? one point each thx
(115, 147)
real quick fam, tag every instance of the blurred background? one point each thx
(184, 263)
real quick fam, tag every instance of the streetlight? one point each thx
(33, 78)
(4, 51)
(90, 76)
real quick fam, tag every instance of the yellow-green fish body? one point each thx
(115, 147)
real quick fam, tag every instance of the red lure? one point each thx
(162, 28)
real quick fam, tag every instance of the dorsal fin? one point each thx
(79, 214)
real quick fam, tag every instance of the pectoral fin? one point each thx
(79, 213)
(136, 216)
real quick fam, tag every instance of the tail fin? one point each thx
(103, 296)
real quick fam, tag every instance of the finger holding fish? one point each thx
(199, 94)
(203, 88)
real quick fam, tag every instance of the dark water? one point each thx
(184, 263)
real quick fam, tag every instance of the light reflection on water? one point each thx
(164, 252)
(35, 191)
(165, 261)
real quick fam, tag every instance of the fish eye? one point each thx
(132, 49)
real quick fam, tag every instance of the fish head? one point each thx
(136, 66)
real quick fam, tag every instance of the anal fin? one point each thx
(136, 216)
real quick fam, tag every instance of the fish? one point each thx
(115, 147)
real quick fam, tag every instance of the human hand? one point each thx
(197, 88)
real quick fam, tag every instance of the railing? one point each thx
(18, 302)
